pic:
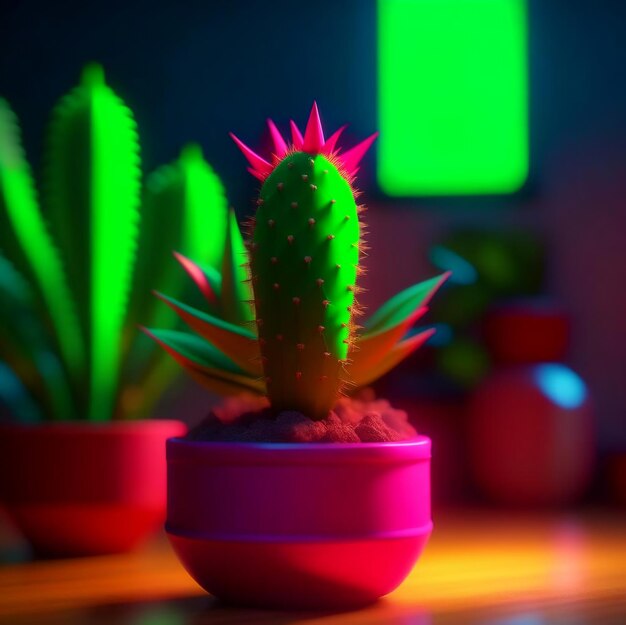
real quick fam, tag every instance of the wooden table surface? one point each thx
(479, 567)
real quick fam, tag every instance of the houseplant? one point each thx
(301, 499)
(79, 472)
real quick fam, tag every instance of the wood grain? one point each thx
(479, 567)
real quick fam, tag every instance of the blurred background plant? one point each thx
(487, 267)
(78, 261)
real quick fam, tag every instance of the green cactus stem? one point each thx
(304, 258)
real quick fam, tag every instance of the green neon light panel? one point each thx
(452, 96)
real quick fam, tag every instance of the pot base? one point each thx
(70, 530)
(75, 488)
(300, 575)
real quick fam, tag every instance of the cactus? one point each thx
(304, 252)
(91, 194)
(304, 258)
(68, 342)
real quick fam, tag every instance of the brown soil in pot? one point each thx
(353, 420)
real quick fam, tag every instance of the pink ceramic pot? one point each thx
(299, 525)
(77, 488)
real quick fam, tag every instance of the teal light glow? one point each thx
(463, 272)
(443, 335)
(452, 96)
(561, 385)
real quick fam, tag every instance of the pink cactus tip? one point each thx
(256, 162)
(296, 136)
(313, 142)
(280, 145)
(314, 134)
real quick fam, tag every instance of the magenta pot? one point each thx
(79, 488)
(306, 526)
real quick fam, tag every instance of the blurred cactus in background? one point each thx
(77, 266)
(304, 348)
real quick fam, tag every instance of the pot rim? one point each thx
(211, 452)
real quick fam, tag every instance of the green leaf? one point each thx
(236, 293)
(239, 344)
(92, 184)
(25, 346)
(207, 364)
(184, 210)
(16, 398)
(371, 348)
(196, 350)
(404, 304)
(26, 242)
(381, 346)
(206, 209)
(363, 371)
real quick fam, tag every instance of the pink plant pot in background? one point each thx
(304, 526)
(531, 436)
(76, 488)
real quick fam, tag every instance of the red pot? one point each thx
(309, 525)
(531, 435)
(77, 488)
(527, 330)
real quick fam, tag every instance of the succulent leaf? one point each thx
(207, 364)
(237, 343)
(403, 304)
(364, 372)
(371, 348)
(25, 239)
(92, 182)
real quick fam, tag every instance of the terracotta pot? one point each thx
(304, 526)
(78, 488)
